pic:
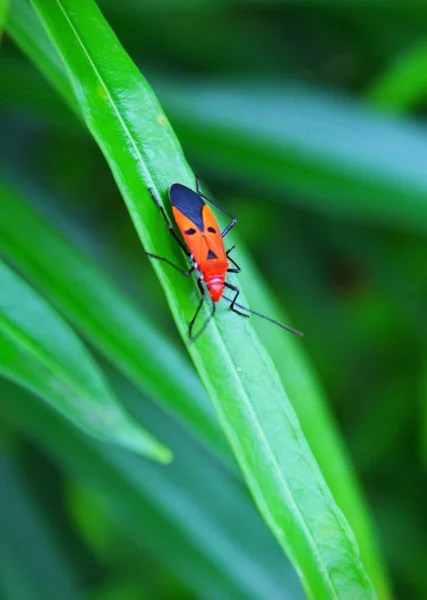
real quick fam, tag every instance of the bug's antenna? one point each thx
(253, 312)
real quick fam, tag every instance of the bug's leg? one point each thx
(198, 188)
(168, 223)
(233, 219)
(233, 305)
(193, 320)
(182, 271)
(203, 292)
(237, 268)
(233, 301)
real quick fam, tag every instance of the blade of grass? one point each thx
(307, 397)
(303, 149)
(402, 85)
(305, 391)
(398, 90)
(312, 408)
(4, 9)
(423, 414)
(24, 27)
(40, 99)
(132, 131)
(40, 352)
(109, 319)
(313, 148)
(143, 578)
(375, 436)
(171, 5)
(24, 572)
(193, 518)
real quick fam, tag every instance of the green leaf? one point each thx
(423, 411)
(25, 29)
(32, 564)
(40, 352)
(40, 98)
(176, 5)
(305, 390)
(316, 149)
(106, 316)
(137, 141)
(402, 85)
(193, 518)
(318, 424)
(4, 9)
(320, 149)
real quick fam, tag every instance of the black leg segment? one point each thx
(182, 271)
(192, 337)
(237, 268)
(233, 305)
(233, 301)
(233, 219)
(168, 223)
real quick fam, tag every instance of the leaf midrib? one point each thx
(253, 414)
(39, 352)
(108, 95)
(251, 409)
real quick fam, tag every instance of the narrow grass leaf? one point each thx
(39, 100)
(24, 27)
(4, 9)
(165, 369)
(316, 149)
(32, 563)
(318, 424)
(305, 392)
(302, 149)
(193, 518)
(138, 142)
(40, 352)
(106, 316)
(402, 85)
(423, 420)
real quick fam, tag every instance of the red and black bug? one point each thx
(204, 246)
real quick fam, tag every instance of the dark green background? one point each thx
(307, 120)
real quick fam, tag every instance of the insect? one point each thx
(204, 246)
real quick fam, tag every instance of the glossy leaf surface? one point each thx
(132, 131)
(40, 352)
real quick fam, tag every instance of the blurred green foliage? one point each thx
(289, 111)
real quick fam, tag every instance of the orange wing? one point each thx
(207, 245)
(212, 234)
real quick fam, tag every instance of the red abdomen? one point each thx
(215, 282)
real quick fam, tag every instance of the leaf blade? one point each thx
(312, 160)
(307, 397)
(329, 569)
(193, 518)
(4, 10)
(105, 316)
(25, 525)
(41, 353)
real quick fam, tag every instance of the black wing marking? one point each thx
(188, 202)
